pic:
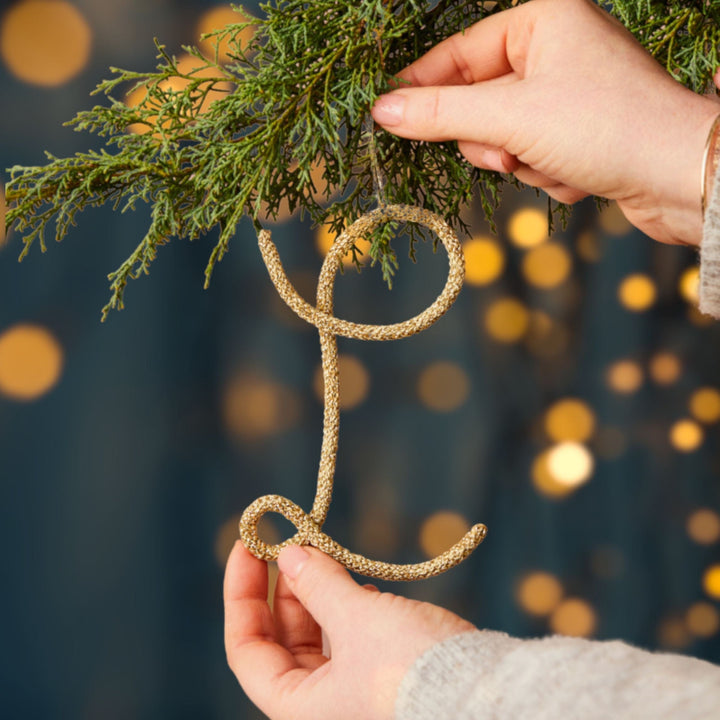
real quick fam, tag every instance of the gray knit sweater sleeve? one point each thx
(484, 675)
(710, 254)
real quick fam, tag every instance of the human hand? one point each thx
(277, 654)
(560, 94)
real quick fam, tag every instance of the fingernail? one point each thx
(388, 109)
(291, 560)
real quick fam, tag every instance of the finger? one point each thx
(556, 190)
(264, 668)
(488, 157)
(478, 53)
(485, 112)
(296, 628)
(323, 586)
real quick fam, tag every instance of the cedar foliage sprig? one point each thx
(244, 137)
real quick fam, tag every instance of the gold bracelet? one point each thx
(711, 158)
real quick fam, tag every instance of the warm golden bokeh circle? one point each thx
(31, 362)
(705, 405)
(612, 220)
(673, 633)
(440, 531)
(545, 482)
(711, 581)
(256, 407)
(528, 227)
(354, 382)
(689, 285)
(665, 368)
(570, 463)
(443, 386)
(588, 246)
(625, 376)
(574, 617)
(324, 239)
(702, 619)
(507, 320)
(45, 42)
(637, 292)
(539, 593)
(703, 526)
(216, 19)
(570, 419)
(547, 266)
(686, 435)
(484, 260)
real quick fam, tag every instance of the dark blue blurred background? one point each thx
(572, 411)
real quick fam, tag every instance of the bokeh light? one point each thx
(256, 407)
(324, 239)
(45, 42)
(637, 292)
(547, 265)
(588, 246)
(705, 405)
(215, 19)
(354, 382)
(570, 419)
(689, 285)
(574, 617)
(711, 581)
(686, 435)
(545, 482)
(702, 619)
(507, 320)
(443, 386)
(207, 93)
(528, 227)
(570, 463)
(31, 362)
(665, 368)
(539, 593)
(440, 531)
(625, 376)
(673, 633)
(484, 260)
(703, 526)
(612, 220)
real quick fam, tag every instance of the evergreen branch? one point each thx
(205, 143)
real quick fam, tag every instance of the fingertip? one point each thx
(388, 109)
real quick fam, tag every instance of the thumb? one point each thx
(486, 112)
(321, 584)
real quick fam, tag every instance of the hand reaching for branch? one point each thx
(560, 94)
(277, 654)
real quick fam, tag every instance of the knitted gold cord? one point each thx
(321, 316)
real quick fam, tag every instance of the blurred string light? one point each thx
(31, 362)
(574, 617)
(545, 482)
(539, 593)
(354, 382)
(689, 285)
(711, 582)
(673, 633)
(702, 619)
(440, 531)
(612, 220)
(625, 376)
(703, 526)
(44, 42)
(484, 260)
(665, 368)
(506, 320)
(216, 19)
(443, 386)
(570, 464)
(637, 292)
(547, 266)
(570, 419)
(705, 405)
(325, 238)
(686, 435)
(528, 227)
(256, 407)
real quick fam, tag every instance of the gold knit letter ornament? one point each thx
(309, 525)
